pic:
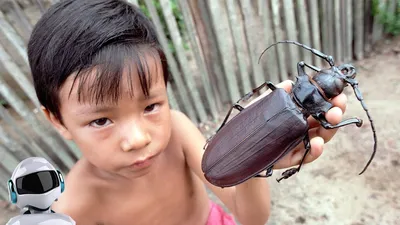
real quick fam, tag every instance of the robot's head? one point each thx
(35, 183)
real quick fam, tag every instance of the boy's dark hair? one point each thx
(77, 36)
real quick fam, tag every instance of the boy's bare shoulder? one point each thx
(181, 123)
(79, 197)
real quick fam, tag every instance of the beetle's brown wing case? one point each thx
(254, 140)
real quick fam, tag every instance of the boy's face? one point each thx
(117, 137)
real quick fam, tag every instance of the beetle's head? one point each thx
(348, 71)
(329, 82)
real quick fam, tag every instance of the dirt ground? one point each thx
(330, 191)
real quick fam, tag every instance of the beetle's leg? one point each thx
(247, 96)
(268, 172)
(290, 172)
(235, 106)
(301, 71)
(325, 124)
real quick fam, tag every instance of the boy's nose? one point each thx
(137, 138)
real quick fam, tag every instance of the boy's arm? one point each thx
(250, 201)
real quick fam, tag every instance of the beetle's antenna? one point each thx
(358, 94)
(328, 58)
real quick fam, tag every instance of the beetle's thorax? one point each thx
(330, 82)
(308, 96)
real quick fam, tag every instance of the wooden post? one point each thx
(377, 27)
(19, 152)
(348, 46)
(291, 34)
(19, 106)
(7, 160)
(279, 36)
(253, 38)
(220, 22)
(183, 92)
(271, 61)
(239, 37)
(18, 76)
(211, 97)
(24, 138)
(337, 34)
(13, 43)
(304, 30)
(358, 29)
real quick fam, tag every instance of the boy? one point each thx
(100, 74)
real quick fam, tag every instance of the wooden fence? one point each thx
(212, 47)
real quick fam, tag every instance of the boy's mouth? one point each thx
(144, 162)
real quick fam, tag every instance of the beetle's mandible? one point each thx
(264, 132)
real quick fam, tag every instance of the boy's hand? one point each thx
(318, 135)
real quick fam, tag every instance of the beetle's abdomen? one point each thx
(254, 140)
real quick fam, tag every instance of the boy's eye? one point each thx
(100, 122)
(150, 108)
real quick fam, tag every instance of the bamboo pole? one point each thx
(29, 90)
(209, 44)
(239, 38)
(325, 30)
(13, 42)
(18, 76)
(253, 39)
(183, 93)
(304, 30)
(279, 36)
(3, 192)
(26, 139)
(4, 176)
(271, 60)
(349, 30)
(368, 26)
(291, 33)
(337, 32)
(220, 22)
(19, 152)
(9, 161)
(210, 94)
(19, 106)
(377, 27)
(171, 98)
(315, 30)
(180, 52)
(358, 29)
(22, 20)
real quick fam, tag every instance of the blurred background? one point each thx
(213, 47)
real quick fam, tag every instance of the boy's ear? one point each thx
(57, 124)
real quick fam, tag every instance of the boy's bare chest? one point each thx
(175, 198)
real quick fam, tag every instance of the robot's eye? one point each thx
(37, 183)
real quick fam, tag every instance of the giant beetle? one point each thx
(264, 132)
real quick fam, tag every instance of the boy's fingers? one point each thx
(287, 85)
(340, 102)
(317, 144)
(334, 116)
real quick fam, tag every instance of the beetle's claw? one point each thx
(288, 173)
(360, 123)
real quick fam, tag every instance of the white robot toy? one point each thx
(34, 185)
